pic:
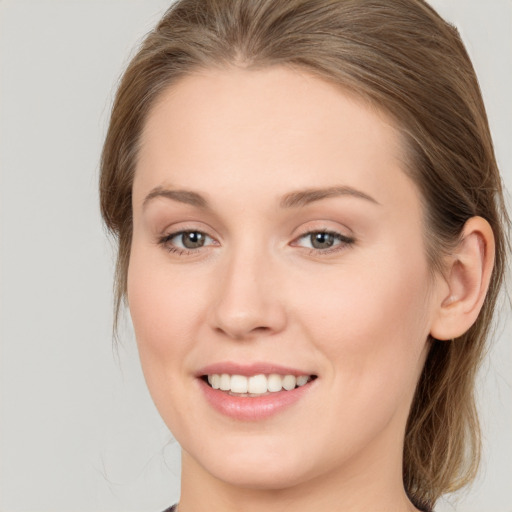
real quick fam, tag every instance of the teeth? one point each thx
(257, 384)
(239, 384)
(274, 382)
(225, 382)
(302, 380)
(215, 382)
(289, 382)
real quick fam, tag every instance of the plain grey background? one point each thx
(78, 428)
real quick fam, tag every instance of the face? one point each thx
(277, 241)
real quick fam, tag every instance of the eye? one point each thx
(185, 242)
(323, 241)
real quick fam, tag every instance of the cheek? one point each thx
(162, 309)
(372, 320)
(370, 325)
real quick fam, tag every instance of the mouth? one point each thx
(255, 391)
(255, 385)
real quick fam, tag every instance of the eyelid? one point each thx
(185, 226)
(175, 234)
(165, 241)
(323, 229)
(339, 236)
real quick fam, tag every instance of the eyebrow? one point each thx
(304, 197)
(294, 199)
(182, 196)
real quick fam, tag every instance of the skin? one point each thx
(258, 290)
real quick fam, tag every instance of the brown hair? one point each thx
(401, 56)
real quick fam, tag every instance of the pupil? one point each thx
(193, 239)
(322, 240)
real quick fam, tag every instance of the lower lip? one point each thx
(257, 408)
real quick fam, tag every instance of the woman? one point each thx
(311, 244)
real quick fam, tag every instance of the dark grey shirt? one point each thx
(173, 508)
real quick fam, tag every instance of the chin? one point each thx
(255, 468)
(269, 477)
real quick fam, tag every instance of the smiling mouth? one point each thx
(256, 385)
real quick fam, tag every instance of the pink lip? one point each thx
(251, 408)
(249, 369)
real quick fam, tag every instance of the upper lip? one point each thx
(249, 369)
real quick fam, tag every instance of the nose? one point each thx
(247, 300)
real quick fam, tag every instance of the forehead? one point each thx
(271, 129)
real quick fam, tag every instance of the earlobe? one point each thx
(468, 277)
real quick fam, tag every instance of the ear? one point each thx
(467, 278)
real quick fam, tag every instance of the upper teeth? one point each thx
(257, 384)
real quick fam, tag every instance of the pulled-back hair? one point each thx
(402, 57)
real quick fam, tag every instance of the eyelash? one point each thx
(344, 241)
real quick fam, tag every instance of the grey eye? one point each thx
(191, 239)
(322, 240)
